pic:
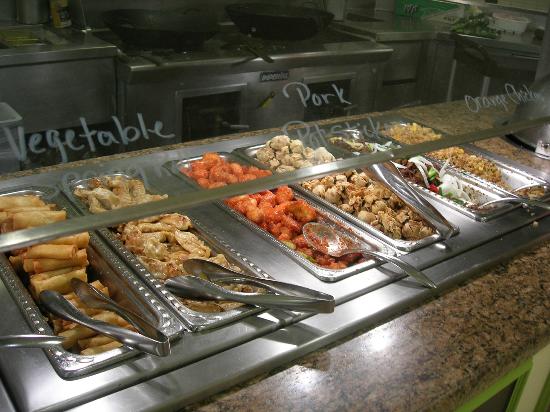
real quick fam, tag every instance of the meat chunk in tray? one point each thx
(370, 201)
(52, 265)
(161, 243)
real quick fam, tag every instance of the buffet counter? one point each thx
(433, 356)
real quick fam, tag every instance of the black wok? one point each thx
(166, 29)
(273, 22)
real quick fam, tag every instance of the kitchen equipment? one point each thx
(32, 11)
(197, 288)
(30, 341)
(57, 305)
(277, 22)
(536, 105)
(329, 241)
(510, 23)
(162, 29)
(220, 274)
(93, 298)
(9, 121)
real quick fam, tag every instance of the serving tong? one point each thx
(389, 175)
(150, 340)
(283, 296)
(30, 341)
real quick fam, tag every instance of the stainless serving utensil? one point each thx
(388, 174)
(30, 341)
(522, 200)
(93, 298)
(220, 274)
(195, 287)
(56, 304)
(329, 241)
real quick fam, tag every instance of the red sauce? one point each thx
(284, 216)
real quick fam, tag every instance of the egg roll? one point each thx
(25, 220)
(47, 251)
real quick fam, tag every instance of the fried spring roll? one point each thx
(46, 265)
(47, 251)
(100, 349)
(25, 209)
(80, 240)
(7, 202)
(60, 283)
(25, 220)
(81, 332)
(16, 262)
(4, 216)
(95, 341)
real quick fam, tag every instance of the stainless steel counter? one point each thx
(393, 28)
(260, 342)
(60, 45)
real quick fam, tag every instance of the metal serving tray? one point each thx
(327, 275)
(193, 320)
(483, 193)
(511, 174)
(248, 153)
(125, 288)
(174, 166)
(327, 217)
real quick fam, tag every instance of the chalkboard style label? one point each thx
(274, 76)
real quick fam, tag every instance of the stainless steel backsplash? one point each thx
(7, 10)
(87, 13)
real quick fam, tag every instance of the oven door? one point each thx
(330, 96)
(210, 112)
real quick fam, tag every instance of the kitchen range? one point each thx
(286, 216)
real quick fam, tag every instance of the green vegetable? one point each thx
(289, 244)
(307, 257)
(432, 174)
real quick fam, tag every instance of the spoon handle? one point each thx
(30, 341)
(57, 305)
(404, 266)
(194, 287)
(528, 202)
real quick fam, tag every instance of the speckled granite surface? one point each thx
(437, 355)
(430, 359)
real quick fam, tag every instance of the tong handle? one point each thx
(30, 341)
(56, 304)
(195, 287)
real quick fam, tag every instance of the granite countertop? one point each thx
(437, 355)
(391, 27)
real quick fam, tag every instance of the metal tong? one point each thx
(30, 341)
(388, 174)
(153, 342)
(288, 296)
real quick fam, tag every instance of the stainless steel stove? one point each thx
(225, 86)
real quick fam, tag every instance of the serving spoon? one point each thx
(521, 200)
(327, 240)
